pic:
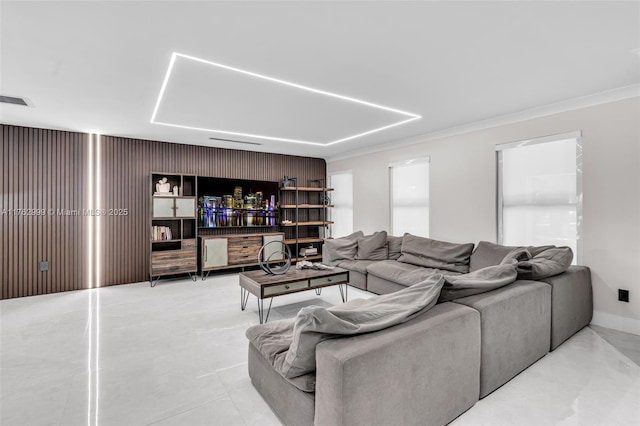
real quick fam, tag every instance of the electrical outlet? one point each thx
(623, 295)
(43, 265)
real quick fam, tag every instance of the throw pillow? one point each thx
(395, 247)
(548, 263)
(341, 248)
(353, 236)
(373, 247)
(488, 254)
(476, 282)
(430, 253)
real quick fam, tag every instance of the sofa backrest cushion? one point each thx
(488, 254)
(341, 248)
(536, 250)
(395, 247)
(477, 282)
(550, 262)
(436, 254)
(373, 247)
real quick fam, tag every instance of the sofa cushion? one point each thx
(395, 246)
(341, 248)
(477, 282)
(401, 273)
(292, 406)
(548, 263)
(356, 265)
(488, 254)
(372, 247)
(430, 253)
(423, 372)
(571, 303)
(515, 328)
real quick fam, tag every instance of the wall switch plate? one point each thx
(44, 266)
(623, 295)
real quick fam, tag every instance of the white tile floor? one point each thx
(176, 355)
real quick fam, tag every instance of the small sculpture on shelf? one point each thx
(163, 187)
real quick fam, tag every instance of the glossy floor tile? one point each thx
(627, 344)
(176, 355)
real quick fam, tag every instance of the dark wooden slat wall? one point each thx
(126, 168)
(49, 169)
(42, 171)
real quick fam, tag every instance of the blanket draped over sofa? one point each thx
(290, 345)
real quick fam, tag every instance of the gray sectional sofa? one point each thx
(432, 368)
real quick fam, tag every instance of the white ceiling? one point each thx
(99, 66)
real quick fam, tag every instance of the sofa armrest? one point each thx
(425, 371)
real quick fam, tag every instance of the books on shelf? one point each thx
(161, 233)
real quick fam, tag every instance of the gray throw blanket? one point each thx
(290, 345)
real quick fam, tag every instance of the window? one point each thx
(342, 200)
(539, 192)
(409, 185)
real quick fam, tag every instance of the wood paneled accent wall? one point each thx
(44, 189)
(48, 169)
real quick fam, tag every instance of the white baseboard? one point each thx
(616, 322)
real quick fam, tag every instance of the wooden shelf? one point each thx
(298, 259)
(235, 227)
(313, 223)
(305, 189)
(304, 240)
(253, 209)
(305, 206)
(167, 241)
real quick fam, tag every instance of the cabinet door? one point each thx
(185, 207)
(272, 248)
(215, 253)
(163, 207)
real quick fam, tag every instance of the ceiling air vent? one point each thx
(235, 141)
(14, 100)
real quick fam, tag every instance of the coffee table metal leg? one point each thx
(343, 293)
(244, 297)
(264, 318)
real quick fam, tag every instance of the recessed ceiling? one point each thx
(199, 94)
(99, 66)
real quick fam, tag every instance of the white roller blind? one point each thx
(342, 199)
(539, 194)
(409, 183)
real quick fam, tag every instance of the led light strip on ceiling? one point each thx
(175, 55)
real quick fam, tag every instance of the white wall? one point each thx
(463, 194)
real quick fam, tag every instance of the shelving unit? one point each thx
(204, 228)
(173, 243)
(308, 217)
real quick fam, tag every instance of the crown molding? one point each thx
(613, 95)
